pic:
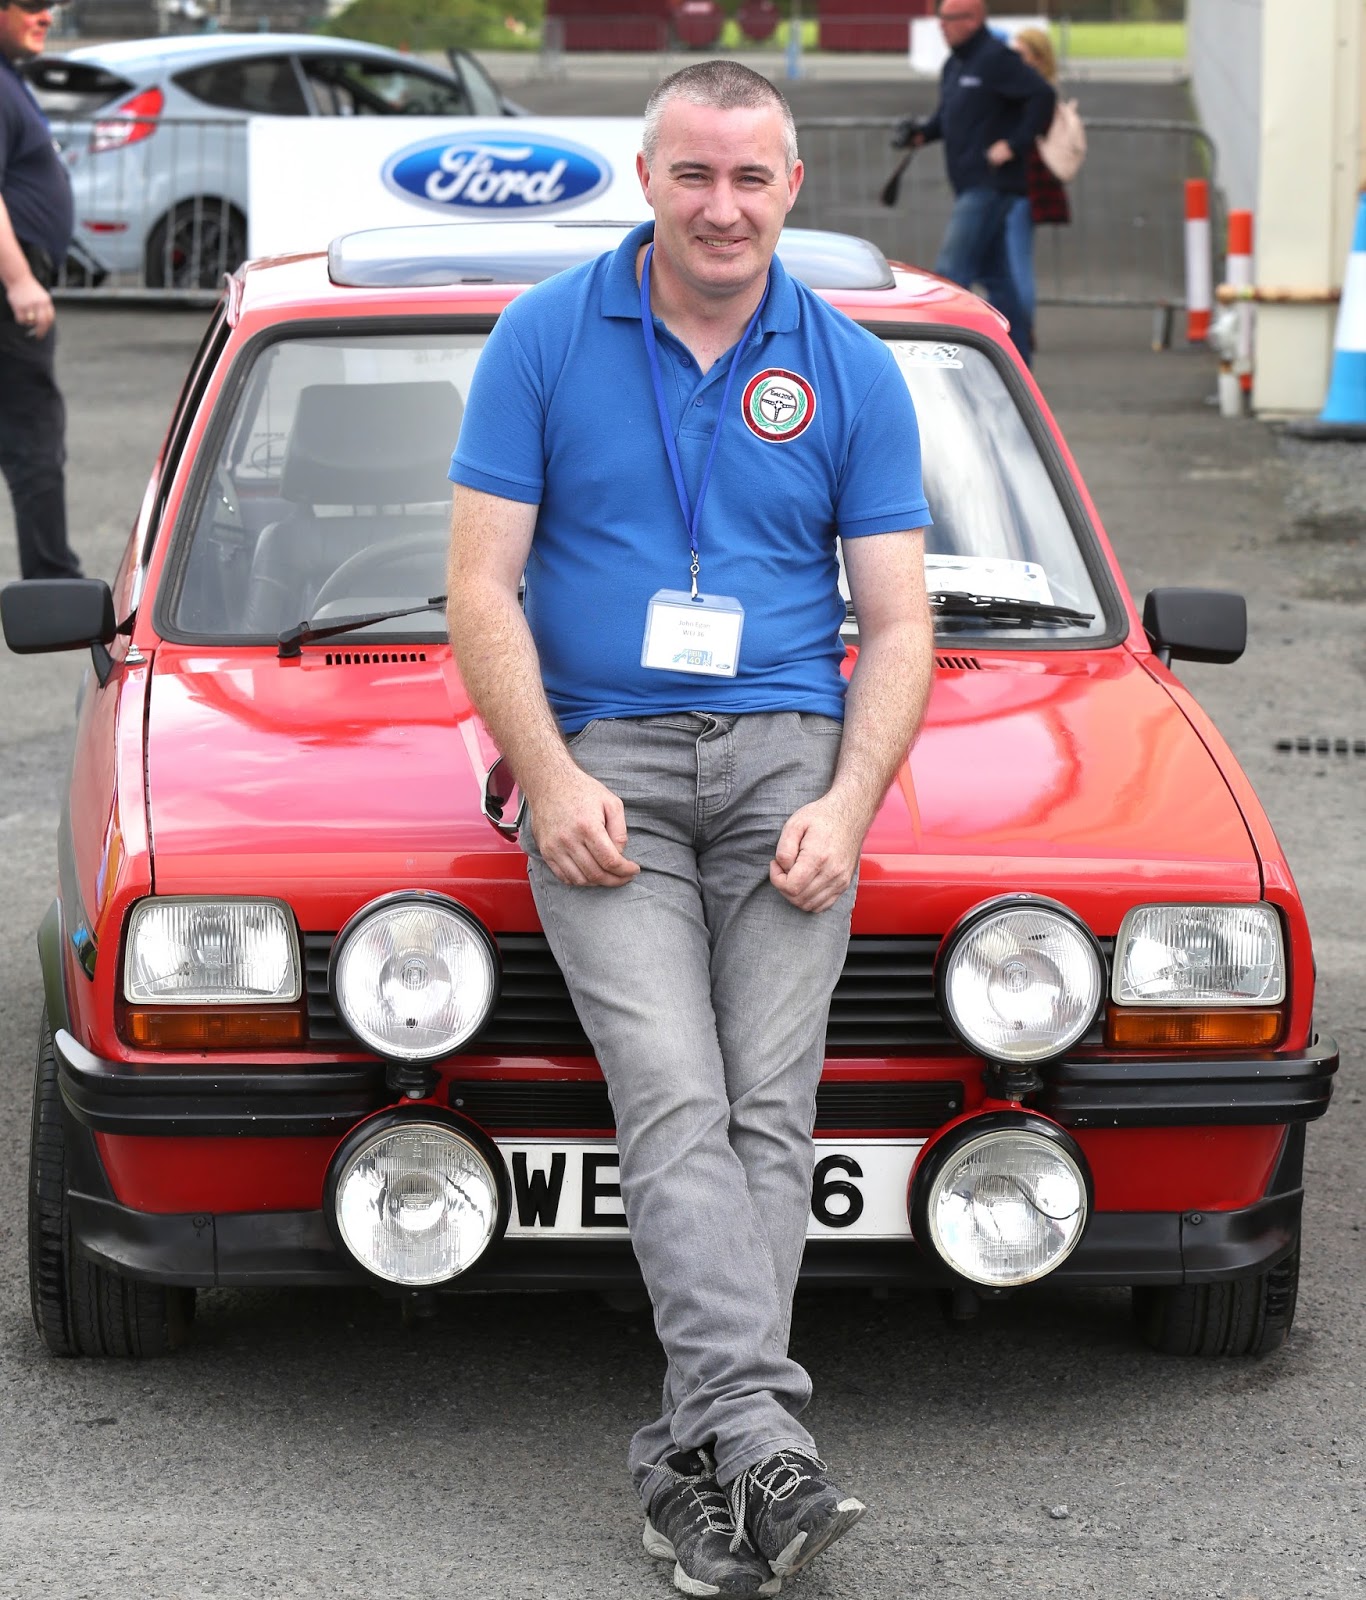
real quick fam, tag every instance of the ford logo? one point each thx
(497, 174)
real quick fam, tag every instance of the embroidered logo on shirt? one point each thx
(778, 405)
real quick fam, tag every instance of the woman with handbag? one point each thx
(1055, 159)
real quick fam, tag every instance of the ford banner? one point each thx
(379, 172)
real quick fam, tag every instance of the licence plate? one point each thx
(570, 1189)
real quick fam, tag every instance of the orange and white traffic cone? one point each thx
(1199, 261)
(1238, 273)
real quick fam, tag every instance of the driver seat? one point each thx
(365, 465)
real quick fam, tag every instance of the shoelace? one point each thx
(776, 1478)
(710, 1499)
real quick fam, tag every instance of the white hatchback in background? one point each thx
(154, 133)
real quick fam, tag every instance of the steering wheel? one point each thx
(356, 574)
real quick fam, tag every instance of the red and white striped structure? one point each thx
(1238, 273)
(1199, 261)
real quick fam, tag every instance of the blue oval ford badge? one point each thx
(497, 174)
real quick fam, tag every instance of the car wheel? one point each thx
(81, 1309)
(194, 244)
(1245, 1317)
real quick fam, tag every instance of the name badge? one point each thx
(701, 636)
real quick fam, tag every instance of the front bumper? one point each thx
(259, 1249)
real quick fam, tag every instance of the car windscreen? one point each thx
(328, 495)
(1000, 529)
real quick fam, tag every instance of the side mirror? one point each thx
(1195, 624)
(45, 614)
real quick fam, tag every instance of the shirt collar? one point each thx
(621, 289)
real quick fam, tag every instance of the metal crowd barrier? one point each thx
(1125, 245)
(163, 217)
(160, 205)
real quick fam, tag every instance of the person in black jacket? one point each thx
(35, 233)
(992, 107)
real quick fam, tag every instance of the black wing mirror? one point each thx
(44, 614)
(1195, 624)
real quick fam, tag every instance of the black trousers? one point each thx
(33, 448)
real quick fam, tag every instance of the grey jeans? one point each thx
(705, 995)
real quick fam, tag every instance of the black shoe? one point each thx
(690, 1523)
(790, 1509)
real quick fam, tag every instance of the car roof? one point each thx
(183, 49)
(476, 268)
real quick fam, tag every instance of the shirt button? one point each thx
(697, 402)
(684, 362)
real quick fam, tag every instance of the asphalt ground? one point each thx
(307, 1445)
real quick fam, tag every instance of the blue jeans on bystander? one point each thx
(976, 250)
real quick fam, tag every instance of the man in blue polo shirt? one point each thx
(669, 441)
(35, 231)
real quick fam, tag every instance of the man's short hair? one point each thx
(724, 86)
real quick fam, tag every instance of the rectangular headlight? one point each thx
(184, 952)
(1199, 956)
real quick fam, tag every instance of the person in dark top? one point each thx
(35, 232)
(992, 107)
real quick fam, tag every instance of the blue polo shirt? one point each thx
(562, 414)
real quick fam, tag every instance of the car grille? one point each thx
(584, 1107)
(883, 1003)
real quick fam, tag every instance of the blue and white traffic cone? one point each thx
(1346, 402)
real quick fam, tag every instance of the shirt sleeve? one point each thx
(880, 489)
(501, 448)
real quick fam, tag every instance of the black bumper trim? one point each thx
(233, 1098)
(294, 1248)
(1182, 1093)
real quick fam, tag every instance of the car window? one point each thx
(485, 101)
(353, 86)
(72, 88)
(328, 493)
(266, 85)
(999, 525)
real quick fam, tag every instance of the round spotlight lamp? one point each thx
(416, 1202)
(1021, 980)
(414, 976)
(1003, 1203)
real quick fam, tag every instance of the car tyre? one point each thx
(1244, 1317)
(79, 1308)
(194, 244)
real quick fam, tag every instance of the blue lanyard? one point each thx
(692, 516)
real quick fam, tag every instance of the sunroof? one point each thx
(449, 253)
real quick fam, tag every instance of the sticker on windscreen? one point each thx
(921, 353)
(993, 575)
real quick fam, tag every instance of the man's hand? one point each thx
(580, 830)
(31, 305)
(909, 134)
(817, 855)
(999, 153)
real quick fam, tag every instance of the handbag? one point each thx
(1063, 147)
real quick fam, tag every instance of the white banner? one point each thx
(311, 178)
(929, 52)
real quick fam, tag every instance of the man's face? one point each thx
(23, 33)
(960, 19)
(720, 191)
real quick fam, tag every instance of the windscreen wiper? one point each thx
(305, 632)
(1002, 610)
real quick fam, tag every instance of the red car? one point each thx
(302, 1026)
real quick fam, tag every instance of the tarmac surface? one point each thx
(305, 1444)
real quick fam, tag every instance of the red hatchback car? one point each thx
(302, 1026)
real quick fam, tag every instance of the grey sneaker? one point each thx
(690, 1523)
(790, 1509)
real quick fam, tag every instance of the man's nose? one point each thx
(722, 202)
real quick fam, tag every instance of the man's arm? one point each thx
(30, 302)
(579, 824)
(1015, 79)
(818, 850)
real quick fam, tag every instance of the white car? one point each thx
(154, 133)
